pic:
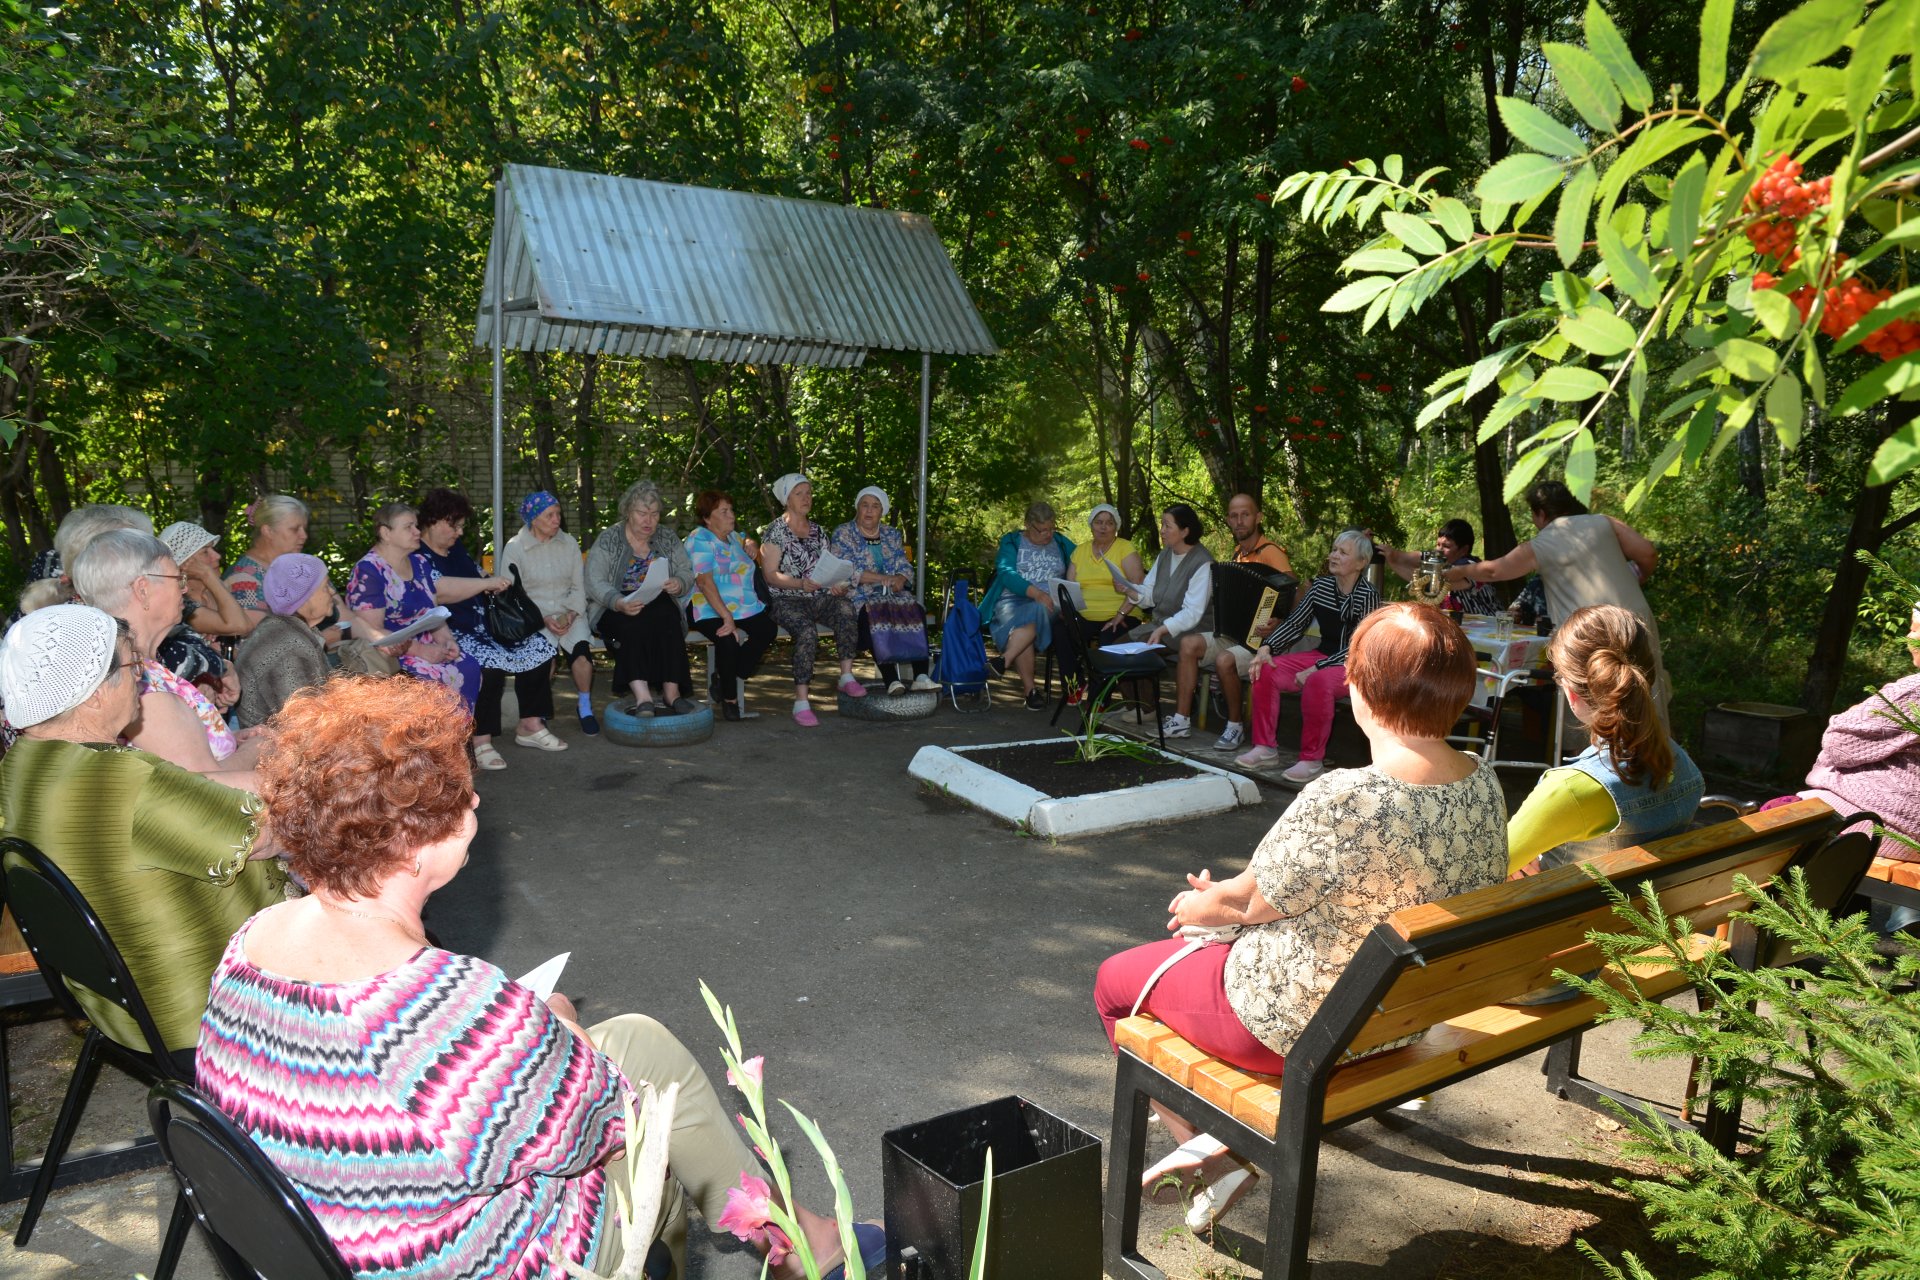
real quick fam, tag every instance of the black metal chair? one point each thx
(256, 1223)
(71, 945)
(1100, 668)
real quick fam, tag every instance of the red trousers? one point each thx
(1191, 998)
(1316, 701)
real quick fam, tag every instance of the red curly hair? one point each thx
(362, 771)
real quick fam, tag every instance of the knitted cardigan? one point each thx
(280, 655)
(1867, 762)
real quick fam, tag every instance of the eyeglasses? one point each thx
(177, 577)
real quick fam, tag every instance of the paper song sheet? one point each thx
(1131, 646)
(651, 584)
(1128, 589)
(1074, 593)
(831, 570)
(544, 979)
(425, 622)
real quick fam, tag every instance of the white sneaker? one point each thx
(1256, 757)
(1304, 771)
(1230, 737)
(1177, 726)
(924, 684)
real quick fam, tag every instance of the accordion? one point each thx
(1246, 597)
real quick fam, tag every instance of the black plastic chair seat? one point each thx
(1127, 664)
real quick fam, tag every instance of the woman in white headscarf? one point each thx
(893, 625)
(790, 551)
(1105, 619)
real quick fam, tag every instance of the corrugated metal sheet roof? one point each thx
(631, 267)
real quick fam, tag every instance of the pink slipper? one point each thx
(851, 686)
(805, 717)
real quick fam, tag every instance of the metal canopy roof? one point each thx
(630, 267)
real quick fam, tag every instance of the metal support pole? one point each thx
(926, 409)
(498, 274)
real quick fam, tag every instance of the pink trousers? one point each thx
(1316, 702)
(1191, 998)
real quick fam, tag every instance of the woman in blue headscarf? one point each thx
(553, 571)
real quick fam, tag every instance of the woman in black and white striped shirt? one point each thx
(1338, 599)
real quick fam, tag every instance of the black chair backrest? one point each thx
(68, 941)
(257, 1223)
(1076, 634)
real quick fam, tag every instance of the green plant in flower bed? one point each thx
(1827, 1057)
(1089, 745)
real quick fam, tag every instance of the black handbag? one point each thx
(511, 615)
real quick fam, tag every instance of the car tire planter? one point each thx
(619, 724)
(877, 705)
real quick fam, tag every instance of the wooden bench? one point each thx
(1445, 967)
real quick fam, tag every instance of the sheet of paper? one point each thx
(652, 583)
(544, 979)
(1132, 646)
(425, 622)
(1074, 593)
(830, 570)
(1120, 583)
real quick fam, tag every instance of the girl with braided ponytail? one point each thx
(1634, 783)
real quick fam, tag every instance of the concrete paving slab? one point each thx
(897, 955)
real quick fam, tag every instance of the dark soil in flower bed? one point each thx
(1050, 767)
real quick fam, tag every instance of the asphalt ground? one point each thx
(896, 955)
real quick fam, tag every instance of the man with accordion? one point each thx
(1248, 594)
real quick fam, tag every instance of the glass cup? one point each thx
(1502, 625)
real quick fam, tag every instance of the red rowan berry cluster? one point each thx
(1780, 194)
(1846, 303)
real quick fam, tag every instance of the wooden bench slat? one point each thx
(1893, 871)
(1478, 1036)
(1783, 824)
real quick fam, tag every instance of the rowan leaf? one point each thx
(1525, 468)
(1416, 233)
(1683, 208)
(1381, 260)
(1599, 331)
(1785, 410)
(1518, 178)
(1774, 310)
(1570, 219)
(1893, 378)
(1629, 270)
(1716, 29)
(1581, 465)
(1898, 454)
(1455, 217)
(1539, 130)
(1748, 360)
(1603, 38)
(1358, 294)
(1806, 35)
(1588, 87)
(1566, 383)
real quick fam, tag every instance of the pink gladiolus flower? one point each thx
(753, 1069)
(748, 1216)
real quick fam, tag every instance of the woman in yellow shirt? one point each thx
(1102, 621)
(1634, 783)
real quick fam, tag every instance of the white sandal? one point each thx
(485, 757)
(1218, 1196)
(1183, 1163)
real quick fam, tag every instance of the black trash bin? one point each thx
(1044, 1223)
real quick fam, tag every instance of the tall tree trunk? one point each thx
(546, 419)
(1827, 663)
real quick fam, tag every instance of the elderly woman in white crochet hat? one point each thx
(209, 607)
(170, 861)
(893, 626)
(790, 552)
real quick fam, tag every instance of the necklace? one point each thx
(368, 915)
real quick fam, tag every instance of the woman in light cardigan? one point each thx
(649, 641)
(554, 575)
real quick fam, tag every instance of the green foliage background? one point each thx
(243, 240)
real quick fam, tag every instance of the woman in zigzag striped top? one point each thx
(1338, 599)
(440, 1119)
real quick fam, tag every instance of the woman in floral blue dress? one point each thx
(394, 583)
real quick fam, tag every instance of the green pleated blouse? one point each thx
(159, 852)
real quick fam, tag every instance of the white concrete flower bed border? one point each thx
(1207, 790)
